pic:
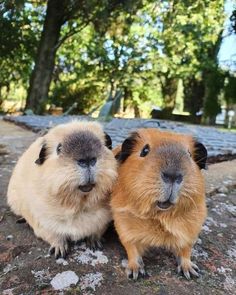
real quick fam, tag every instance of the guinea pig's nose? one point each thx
(170, 177)
(87, 162)
(82, 163)
(92, 161)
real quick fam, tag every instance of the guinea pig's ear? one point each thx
(127, 147)
(200, 155)
(108, 141)
(42, 155)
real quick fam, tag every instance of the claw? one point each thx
(187, 274)
(187, 270)
(195, 267)
(59, 250)
(179, 269)
(51, 250)
(93, 243)
(134, 274)
(194, 273)
(136, 270)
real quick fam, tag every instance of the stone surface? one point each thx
(26, 267)
(220, 145)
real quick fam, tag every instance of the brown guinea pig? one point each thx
(61, 185)
(159, 197)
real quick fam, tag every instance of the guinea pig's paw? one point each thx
(59, 249)
(94, 243)
(189, 269)
(133, 269)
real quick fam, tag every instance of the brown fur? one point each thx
(139, 222)
(44, 185)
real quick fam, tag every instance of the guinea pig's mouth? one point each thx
(87, 187)
(164, 205)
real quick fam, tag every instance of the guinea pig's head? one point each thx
(160, 170)
(77, 157)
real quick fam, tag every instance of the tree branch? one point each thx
(70, 34)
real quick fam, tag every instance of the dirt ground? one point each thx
(26, 267)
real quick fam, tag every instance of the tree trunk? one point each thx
(127, 98)
(169, 91)
(194, 91)
(45, 61)
(136, 111)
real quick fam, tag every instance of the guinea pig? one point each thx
(159, 197)
(61, 185)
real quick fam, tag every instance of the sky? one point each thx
(227, 53)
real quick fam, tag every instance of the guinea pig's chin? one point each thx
(164, 205)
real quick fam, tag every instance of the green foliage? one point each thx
(20, 26)
(143, 48)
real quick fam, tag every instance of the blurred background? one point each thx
(125, 58)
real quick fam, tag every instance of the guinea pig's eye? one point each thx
(59, 147)
(145, 150)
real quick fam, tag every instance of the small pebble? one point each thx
(61, 261)
(38, 257)
(64, 280)
(221, 195)
(223, 190)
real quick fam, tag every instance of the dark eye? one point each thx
(145, 150)
(59, 147)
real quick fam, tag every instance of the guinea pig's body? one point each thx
(61, 184)
(159, 197)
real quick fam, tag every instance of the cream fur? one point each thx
(47, 195)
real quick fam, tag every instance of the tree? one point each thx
(233, 21)
(84, 50)
(194, 92)
(214, 82)
(44, 64)
(19, 31)
(59, 13)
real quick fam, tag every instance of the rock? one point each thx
(9, 251)
(91, 281)
(62, 261)
(223, 189)
(8, 292)
(91, 257)
(64, 280)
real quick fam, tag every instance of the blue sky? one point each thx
(227, 53)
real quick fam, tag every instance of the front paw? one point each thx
(133, 269)
(93, 243)
(59, 249)
(189, 269)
